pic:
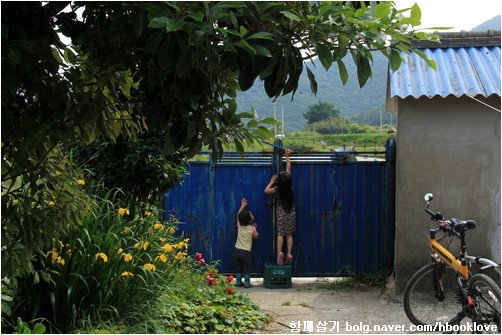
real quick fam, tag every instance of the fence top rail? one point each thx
(265, 158)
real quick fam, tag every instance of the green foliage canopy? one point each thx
(321, 111)
(168, 69)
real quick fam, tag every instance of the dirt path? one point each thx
(309, 308)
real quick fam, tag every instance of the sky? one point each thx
(459, 14)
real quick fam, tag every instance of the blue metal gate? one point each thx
(345, 211)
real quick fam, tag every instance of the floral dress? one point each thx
(286, 221)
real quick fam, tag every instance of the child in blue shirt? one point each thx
(246, 233)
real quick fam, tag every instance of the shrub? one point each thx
(197, 300)
(105, 266)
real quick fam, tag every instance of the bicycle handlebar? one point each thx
(444, 225)
(431, 213)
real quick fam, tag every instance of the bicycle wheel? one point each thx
(485, 295)
(423, 302)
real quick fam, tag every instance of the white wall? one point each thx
(450, 147)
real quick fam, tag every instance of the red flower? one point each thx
(210, 280)
(198, 256)
(202, 261)
(230, 278)
(229, 290)
(211, 273)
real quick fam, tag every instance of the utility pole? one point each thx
(275, 118)
(380, 120)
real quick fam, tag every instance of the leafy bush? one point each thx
(105, 266)
(115, 266)
(137, 167)
(197, 300)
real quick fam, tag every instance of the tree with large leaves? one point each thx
(168, 69)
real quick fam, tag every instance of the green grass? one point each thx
(305, 142)
(363, 281)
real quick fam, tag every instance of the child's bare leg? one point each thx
(280, 255)
(280, 242)
(289, 241)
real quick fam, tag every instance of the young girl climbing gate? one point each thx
(282, 185)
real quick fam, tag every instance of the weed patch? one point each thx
(364, 281)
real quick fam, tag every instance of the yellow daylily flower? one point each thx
(150, 267)
(123, 211)
(162, 257)
(54, 255)
(167, 247)
(103, 256)
(127, 274)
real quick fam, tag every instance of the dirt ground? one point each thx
(308, 308)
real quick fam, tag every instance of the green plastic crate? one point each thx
(277, 276)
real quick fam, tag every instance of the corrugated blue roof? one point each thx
(461, 71)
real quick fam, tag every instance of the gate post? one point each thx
(276, 168)
(390, 201)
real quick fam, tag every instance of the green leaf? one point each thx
(261, 50)
(57, 55)
(239, 147)
(156, 9)
(394, 60)
(429, 62)
(69, 56)
(230, 4)
(235, 23)
(344, 75)
(165, 22)
(343, 41)
(325, 56)
(382, 10)
(197, 16)
(158, 22)
(262, 132)
(363, 69)
(262, 35)
(174, 25)
(313, 82)
(416, 14)
(38, 328)
(243, 31)
(291, 16)
(269, 120)
(245, 115)
(252, 123)
(247, 46)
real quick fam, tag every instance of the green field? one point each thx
(305, 142)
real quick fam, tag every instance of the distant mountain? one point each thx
(363, 105)
(349, 99)
(493, 24)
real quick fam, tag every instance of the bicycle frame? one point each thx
(438, 252)
(460, 265)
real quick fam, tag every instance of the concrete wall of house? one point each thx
(450, 147)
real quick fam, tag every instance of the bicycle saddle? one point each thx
(462, 225)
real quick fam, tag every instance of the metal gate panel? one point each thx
(339, 217)
(207, 202)
(345, 211)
